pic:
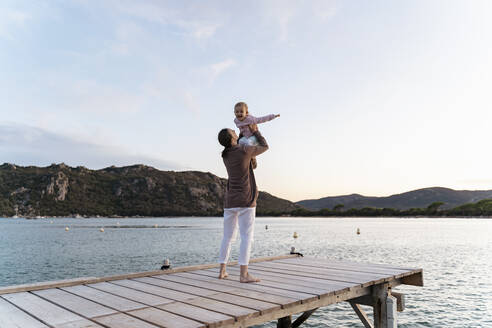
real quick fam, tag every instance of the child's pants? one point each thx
(246, 218)
(249, 141)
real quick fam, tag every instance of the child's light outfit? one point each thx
(248, 138)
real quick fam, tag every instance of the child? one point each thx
(243, 120)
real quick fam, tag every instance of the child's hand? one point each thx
(277, 115)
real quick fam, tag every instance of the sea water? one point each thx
(456, 255)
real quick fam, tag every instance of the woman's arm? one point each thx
(262, 144)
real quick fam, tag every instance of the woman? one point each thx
(240, 198)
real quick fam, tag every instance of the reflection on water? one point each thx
(454, 254)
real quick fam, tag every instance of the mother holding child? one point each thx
(241, 193)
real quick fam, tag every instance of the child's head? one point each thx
(241, 110)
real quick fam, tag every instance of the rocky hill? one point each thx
(138, 190)
(420, 198)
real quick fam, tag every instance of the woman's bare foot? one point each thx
(249, 278)
(222, 272)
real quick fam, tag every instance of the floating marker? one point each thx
(155, 225)
(295, 235)
(358, 231)
(66, 229)
(266, 227)
(102, 229)
(51, 222)
(166, 265)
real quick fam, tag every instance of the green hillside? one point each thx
(61, 190)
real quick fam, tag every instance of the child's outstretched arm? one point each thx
(264, 119)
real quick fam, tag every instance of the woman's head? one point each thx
(241, 110)
(227, 138)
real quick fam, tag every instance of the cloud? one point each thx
(221, 67)
(196, 20)
(11, 19)
(286, 15)
(27, 145)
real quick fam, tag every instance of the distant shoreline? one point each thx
(258, 216)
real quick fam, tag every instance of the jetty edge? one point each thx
(192, 296)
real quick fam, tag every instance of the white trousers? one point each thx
(245, 216)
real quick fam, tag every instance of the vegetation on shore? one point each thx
(137, 190)
(143, 191)
(482, 208)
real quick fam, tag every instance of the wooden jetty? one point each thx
(189, 297)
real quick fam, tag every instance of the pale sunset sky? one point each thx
(375, 97)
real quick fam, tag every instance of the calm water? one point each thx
(456, 255)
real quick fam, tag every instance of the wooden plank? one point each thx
(364, 281)
(206, 303)
(293, 285)
(165, 319)
(175, 307)
(280, 300)
(296, 280)
(122, 320)
(331, 272)
(92, 280)
(356, 292)
(139, 284)
(301, 274)
(416, 279)
(137, 296)
(13, 317)
(211, 318)
(255, 304)
(45, 285)
(238, 312)
(47, 312)
(210, 276)
(109, 300)
(342, 266)
(74, 303)
(306, 290)
(375, 265)
(155, 280)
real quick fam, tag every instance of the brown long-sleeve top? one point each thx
(241, 186)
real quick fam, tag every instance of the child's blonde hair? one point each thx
(242, 105)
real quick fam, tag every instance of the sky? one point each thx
(375, 97)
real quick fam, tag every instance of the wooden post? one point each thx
(380, 292)
(362, 315)
(384, 307)
(303, 317)
(391, 311)
(285, 322)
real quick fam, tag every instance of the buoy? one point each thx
(66, 229)
(166, 265)
(293, 251)
(51, 222)
(117, 223)
(358, 231)
(295, 235)
(266, 227)
(102, 229)
(155, 225)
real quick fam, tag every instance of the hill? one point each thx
(138, 190)
(420, 198)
